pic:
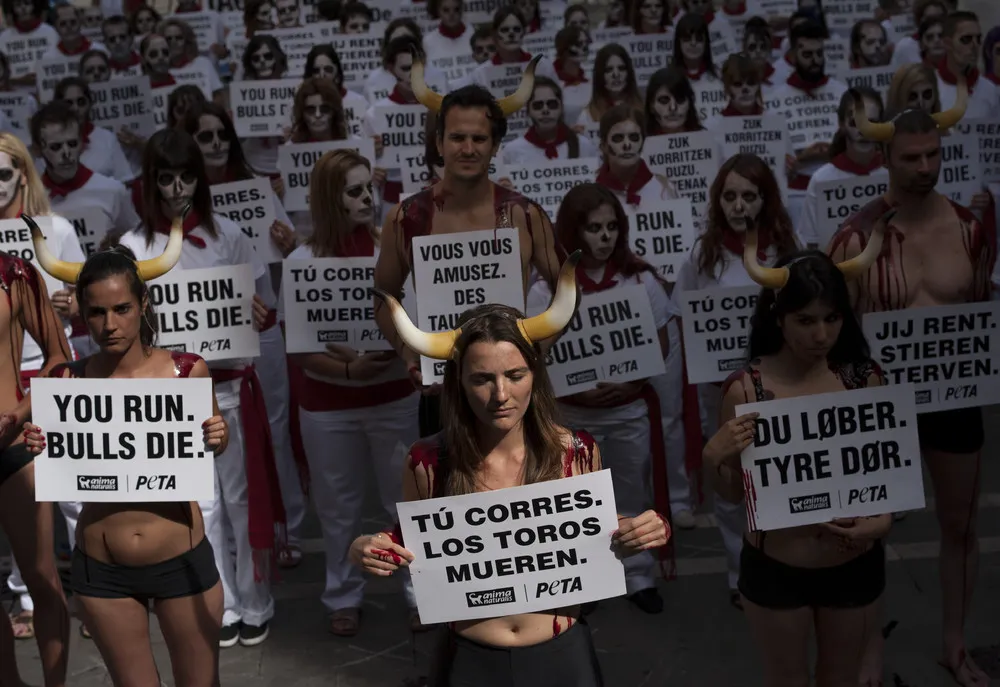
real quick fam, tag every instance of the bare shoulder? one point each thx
(852, 237)
(582, 454)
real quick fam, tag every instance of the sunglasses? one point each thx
(209, 135)
(169, 179)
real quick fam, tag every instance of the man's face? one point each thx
(24, 10)
(91, 18)
(851, 128)
(450, 12)
(483, 49)
(324, 68)
(78, 102)
(545, 109)
(157, 55)
(61, 150)
(95, 70)
(118, 38)
(510, 34)
(872, 46)
(175, 40)
(357, 23)
(288, 13)
(10, 181)
(965, 44)
(623, 144)
(401, 67)
(177, 187)
(67, 22)
(466, 143)
(810, 61)
(317, 115)
(915, 162)
(263, 61)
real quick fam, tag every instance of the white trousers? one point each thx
(341, 446)
(272, 371)
(669, 388)
(71, 513)
(623, 437)
(730, 517)
(246, 600)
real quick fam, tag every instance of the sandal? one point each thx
(289, 557)
(345, 622)
(23, 625)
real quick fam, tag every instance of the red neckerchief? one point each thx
(85, 132)
(731, 111)
(846, 164)
(768, 73)
(588, 285)
(452, 33)
(535, 25)
(788, 59)
(193, 9)
(359, 244)
(733, 242)
(796, 81)
(84, 47)
(133, 60)
(27, 26)
(709, 17)
(343, 92)
(697, 73)
(993, 77)
(551, 148)
(397, 97)
(160, 81)
(568, 79)
(740, 10)
(191, 222)
(643, 176)
(61, 189)
(523, 57)
(972, 76)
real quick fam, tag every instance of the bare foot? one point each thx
(965, 672)
(872, 672)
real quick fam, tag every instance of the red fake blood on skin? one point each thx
(13, 271)
(391, 555)
(555, 626)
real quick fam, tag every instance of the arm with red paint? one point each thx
(844, 245)
(722, 452)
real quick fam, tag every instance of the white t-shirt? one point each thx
(907, 52)
(730, 271)
(808, 229)
(984, 102)
(521, 151)
(105, 194)
(208, 69)
(54, 51)
(436, 44)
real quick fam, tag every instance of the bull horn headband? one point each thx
(68, 272)
(509, 104)
(441, 345)
(883, 132)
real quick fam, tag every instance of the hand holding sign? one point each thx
(644, 532)
(379, 555)
(725, 447)
(215, 435)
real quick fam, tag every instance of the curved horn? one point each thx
(768, 277)
(424, 95)
(438, 345)
(949, 118)
(858, 265)
(560, 312)
(516, 100)
(877, 133)
(66, 272)
(155, 267)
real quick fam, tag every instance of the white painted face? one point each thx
(693, 47)
(358, 197)
(175, 40)
(861, 144)
(483, 49)
(263, 61)
(740, 199)
(401, 67)
(78, 102)
(670, 113)
(213, 139)
(545, 109)
(450, 12)
(266, 16)
(615, 75)
(932, 42)
(324, 68)
(145, 22)
(11, 181)
(317, 115)
(510, 34)
(743, 94)
(288, 13)
(67, 22)
(61, 150)
(177, 188)
(24, 10)
(157, 55)
(118, 40)
(580, 50)
(600, 234)
(92, 18)
(921, 97)
(758, 50)
(623, 143)
(95, 69)
(578, 19)
(356, 24)
(651, 12)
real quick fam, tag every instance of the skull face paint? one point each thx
(510, 34)
(623, 144)
(358, 198)
(67, 22)
(24, 10)
(288, 13)
(739, 200)
(95, 69)
(922, 97)
(317, 115)
(263, 61)
(758, 51)
(78, 102)
(932, 43)
(693, 48)
(670, 113)
(265, 17)
(744, 95)
(213, 140)
(92, 18)
(324, 68)
(145, 22)
(545, 109)
(357, 23)
(118, 40)
(11, 181)
(966, 44)
(450, 13)
(401, 68)
(157, 56)
(177, 187)
(599, 235)
(483, 50)
(61, 148)
(175, 41)
(580, 50)
(615, 75)
(860, 143)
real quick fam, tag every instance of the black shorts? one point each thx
(12, 459)
(772, 584)
(568, 660)
(191, 573)
(952, 431)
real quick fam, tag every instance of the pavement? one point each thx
(698, 641)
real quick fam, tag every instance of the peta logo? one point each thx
(156, 482)
(581, 377)
(332, 336)
(804, 504)
(93, 483)
(492, 597)
(557, 587)
(867, 494)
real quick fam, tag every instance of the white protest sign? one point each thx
(947, 352)
(765, 136)
(124, 104)
(710, 98)
(194, 75)
(842, 15)
(90, 224)
(845, 454)
(402, 128)
(772, 8)
(988, 132)
(123, 440)
(520, 550)
(18, 108)
(160, 97)
(839, 199)
(649, 54)
(296, 43)
(51, 71)
(360, 54)
(690, 161)
(811, 119)
(203, 25)
(542, 42)
(262, 108)
(455, 272)
(22, 53)
(611, 338)
(902, 26)
(877, 78)
(501, 80)
(207, 311)
(416, 176)
(547, 182)
(662, 233)
(960, 170)
(716, 325)
(456, 65)
(15, 238)
(296, 161)
(250, 203)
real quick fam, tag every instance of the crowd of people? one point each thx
(533, 82)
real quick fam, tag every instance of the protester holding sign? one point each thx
(693, 49)
(95, 67)
(671, 107)
(264, 59)
(757, 41)
(804, 340)
(572, 53)
(101, 150)
(947, 259)
(184, 54)
(379, 83)
(156, 60)
(451, 37)
(26, 37)
(143, 21)
(500, 431)
(745, 193)
(548, 138)
(120, 41)
(247, 486)
(323, 61)
(614, 84)
(169, 557)
(962, 40)
(71, 43)
(910, 49)
(624, 170)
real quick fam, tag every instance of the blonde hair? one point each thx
(903, 81)
(331, 226)
(34, 200)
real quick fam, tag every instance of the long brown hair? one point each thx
(173, 149)
(326, 187)
(543, 437)
(773, 217)
(572, 138)
(600, 99)
(331, 96)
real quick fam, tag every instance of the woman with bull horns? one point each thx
(127, 555)
(500, 431)
(804, 340)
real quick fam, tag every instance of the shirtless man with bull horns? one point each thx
(470, 127)
(929, 229)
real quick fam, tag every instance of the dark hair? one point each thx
(259, 41)
(481, 32)
(90, 54)
(634, 18)
(856, 37)
(991, 39)
(434, 8)
(186, 92)
(821, 19)
(573, 9)
(351, 9)
(500, 16)
(39, 8)
(845, 110)
(401, 45)
(330, 95)
(618, 114)
(432, 156)
(675, 80)
(568, 36)
(572, 138)
(471, 96)
(59, 92)
(114, 261)
(739, 68)
(54, 112)
(329, 51)
(911, 122)
(173, 149)
(953, 20)
(920, 8)
(812, 276)
(807, 30)
(61, 4)
(694, 25)
(402, 23)
(237, 165)
(4, 68)
(600, 99)
(329, 10)
(250, 9)
(135, 15)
